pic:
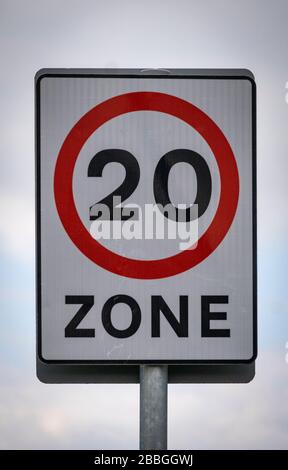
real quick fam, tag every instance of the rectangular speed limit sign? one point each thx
(146, 216)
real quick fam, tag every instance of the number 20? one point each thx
(160, 182)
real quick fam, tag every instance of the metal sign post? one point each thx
(153, 407)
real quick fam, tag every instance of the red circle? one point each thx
(63, 189)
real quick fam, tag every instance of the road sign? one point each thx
(146, 217)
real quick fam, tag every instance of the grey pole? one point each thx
(153, 407)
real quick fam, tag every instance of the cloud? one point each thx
(244, 416)
(16, 227)
(35, 416)
(136, 34)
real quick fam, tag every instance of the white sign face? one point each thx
(146, 217)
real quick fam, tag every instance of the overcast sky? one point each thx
(130, 33)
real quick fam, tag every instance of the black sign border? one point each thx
(219, 74)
